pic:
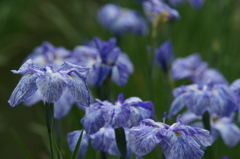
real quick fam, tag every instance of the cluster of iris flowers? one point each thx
(61, 77)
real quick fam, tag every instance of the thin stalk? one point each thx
(49, 122)
(121, 142)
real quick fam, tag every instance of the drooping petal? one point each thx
(202, 135)
(116, 116)
(73, 139)
(228, 131)
(25, 88)
(105, 140)
(36, 97)
(27, 67)
(63, 105)
(180, 146)
(143, 139)
(120, 74)
(93, 120)
(51, 86)
(77, 86)
(177, 105)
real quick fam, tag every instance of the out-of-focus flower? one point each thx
(224, 126)
(122, 113)
(104, 59)
(193, 68)
(176, 141)
(73, 139)
(235, 87)
(164, 55)
(121, 20)
(197, 4)
(50, 83)
(47, 54)
(218, 99)
(158, 12)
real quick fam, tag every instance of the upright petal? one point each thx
(51, 86)
(25, 88)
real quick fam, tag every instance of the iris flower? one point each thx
(105, 60)
(51, 83)
(121, 20)
(176, 141)
(197, 4)
(223, 126)
(122, 113)
(218, 99)
(193, 68)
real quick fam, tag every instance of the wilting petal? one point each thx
(51, 86)
(142, 140)
(78, 88)
(25, 88)
(93, 121)
(105, 140)
(63, 105)
(180, 146)
(73, 139)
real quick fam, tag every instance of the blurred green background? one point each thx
(213, 31)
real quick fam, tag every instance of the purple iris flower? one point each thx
(122, 113)
(104, 140)
(50, 83)
(121, 20)
(105, 59)
(47, 54)
(224, 126)
(197, 71)
(197, 4)
(218, 99)
(156, 8)
(176, 141)
(164, 55)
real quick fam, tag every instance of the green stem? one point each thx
(121, 142)
(49, 122)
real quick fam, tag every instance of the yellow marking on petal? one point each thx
(53, 74)
(116, 106)
(71, 76)
(215, 91)
(178, 133)
(215, 119)
(84, 132)
(154, 129)
(30, 75)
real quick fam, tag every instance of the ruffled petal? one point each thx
(180, 146)
(143, 139)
